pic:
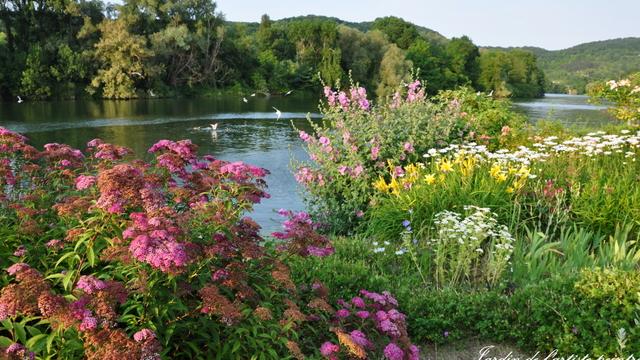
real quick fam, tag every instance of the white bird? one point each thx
(254, 94)
(278, 112)
(491, 93)
(151, 93)
(245, 100)
(20, 100)
(288, 93)
(478, 93)
(214, 127)
(137, 73)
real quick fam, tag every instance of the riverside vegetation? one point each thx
(72, 49)
(480, 225)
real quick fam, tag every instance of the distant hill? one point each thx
(362, 26)
(570, 70)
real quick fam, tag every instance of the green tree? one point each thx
(394, 69)
(125, 61)
(398, 31)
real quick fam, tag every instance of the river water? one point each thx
(249, 132)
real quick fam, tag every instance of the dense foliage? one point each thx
(507, 231)
(623, 94)
(107, 257)
(73, 48)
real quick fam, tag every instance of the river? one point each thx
(249, 132)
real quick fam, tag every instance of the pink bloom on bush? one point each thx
(414, 352)
(304, 136)
(393, 352)
(360, 338)
(330, 95)
(90, 284)
(359, 213)
(343, 170)
(358, 170)
(324, 141)
(342, 313)
(85, 182)
(20, 251)
(363, 314)
(55, 243)
(16, 268)
(88, 323)
(344, 101)
(143, 335)
(408, 147)
(375, 151)
(328, 349)
(358, 302)
(220, 274)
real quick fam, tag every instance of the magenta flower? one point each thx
(20, 251)
(408, 147)
(363, 314)
(393, 352)
(90, 284)
(358, 302)
(88, 323)
(16, 268)
(143, 335)
(304, 136)
(85, 182)
(375, 151)
(328, 349)
(360, 338)
(342, 313)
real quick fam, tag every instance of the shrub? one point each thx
(111, 258)
(356, 141)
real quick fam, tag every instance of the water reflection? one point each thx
(571, 110)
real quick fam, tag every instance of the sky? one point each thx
(550, 24)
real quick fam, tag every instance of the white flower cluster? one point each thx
(592, 144)
(472, 231)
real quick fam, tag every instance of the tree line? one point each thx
(141, 48)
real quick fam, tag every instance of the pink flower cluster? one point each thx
(387, 325)
(415, 93)
(90, 284)
(240, 171)
(357, 96)
(105, 151)
(85, 182)
(301, 235)
(154, 241)
(176, 155)
(306, 175)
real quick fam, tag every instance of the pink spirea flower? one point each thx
(342, 313)
(357, 171)
(55, 243)
(85, 182)
(16, 268)
(327, 349)
(359, 213)
(360, 338)
(88, 323)
(143, 335)
(358, 302)
(393, 352)
(20, 251)
(414, 352)
(363, 314)
(220, 274)
(90, 284)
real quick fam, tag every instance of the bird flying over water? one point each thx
(254, 94)
(245, 100)
(288, 93)
(151, 93)
(20, 100)
(278, 112)
(214, 127)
